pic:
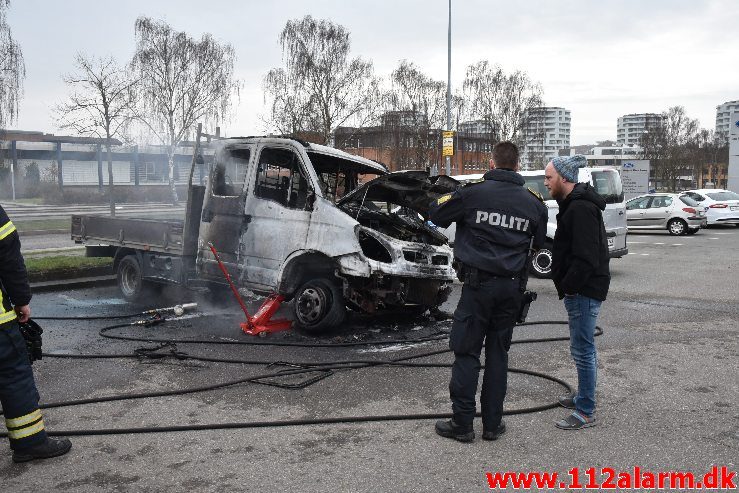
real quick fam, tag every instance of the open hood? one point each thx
(412, 189)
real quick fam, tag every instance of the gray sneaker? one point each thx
(575, 421)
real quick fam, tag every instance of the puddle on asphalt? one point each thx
(95, 302)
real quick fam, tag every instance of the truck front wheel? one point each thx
(131, 281)
(318, 305)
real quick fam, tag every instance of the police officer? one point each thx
(496, 222)
(18, 393)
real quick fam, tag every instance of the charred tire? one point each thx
(677, 227)
(692, 231)
(131, 281)
(541, 263)
(318, 305)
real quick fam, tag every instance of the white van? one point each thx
(605, 180)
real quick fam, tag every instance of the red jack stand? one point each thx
(260, 324)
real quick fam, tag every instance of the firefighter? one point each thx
(496, 221)
(18, 393)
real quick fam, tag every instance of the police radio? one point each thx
(528, 296)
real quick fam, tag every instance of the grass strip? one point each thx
(43, 224)
(65, 263)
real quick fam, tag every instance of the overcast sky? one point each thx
(599, 59)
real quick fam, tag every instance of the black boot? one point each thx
(494, 434)
(450, 429)
(52, 447)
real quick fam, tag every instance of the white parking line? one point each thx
(644, 254)
(708, 238)
(674, 244)
(659, 243)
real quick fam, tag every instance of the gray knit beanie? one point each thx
(567, 166)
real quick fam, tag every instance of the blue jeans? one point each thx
(583, 314)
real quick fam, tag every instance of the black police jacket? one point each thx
(496, 219)
(580, 251)
(14, 288)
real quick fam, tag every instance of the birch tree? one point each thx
(500, 100)
(320, 87)
(421, 101)
(100, 104)
(182, 81)
(12, 70)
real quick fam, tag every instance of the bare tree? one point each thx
(100, 104)
(182, 81)
(418, 110)
(320, 88)
(500, 100)
(707, 152)
(12, 71)
(668, 146)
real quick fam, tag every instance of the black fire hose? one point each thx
(311, 367)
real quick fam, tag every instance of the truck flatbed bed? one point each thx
(155, 235)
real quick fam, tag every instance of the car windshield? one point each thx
(608, 186)
(536, 183)
(688, 201)
(721, 196)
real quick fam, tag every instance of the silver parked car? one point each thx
(677, 213)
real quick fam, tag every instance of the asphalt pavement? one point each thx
(668, 391)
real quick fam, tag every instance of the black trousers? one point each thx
(485, 314)
(18, 393)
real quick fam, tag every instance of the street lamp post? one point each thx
(449, 86)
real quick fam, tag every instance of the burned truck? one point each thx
(327, 230)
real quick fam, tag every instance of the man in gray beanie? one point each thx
(581, 275)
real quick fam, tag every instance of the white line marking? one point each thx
(713, 238)
(674, 244)
(659, 243)
(644, 254)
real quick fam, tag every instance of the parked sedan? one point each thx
(722, 205)
(677, 213)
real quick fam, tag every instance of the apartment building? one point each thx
(630, 128)
(723, 120)
(545, 133)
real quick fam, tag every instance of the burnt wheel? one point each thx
(319, 305)
(130, 280)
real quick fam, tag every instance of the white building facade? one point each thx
(630, 128)
(546, 132)
(723, 120)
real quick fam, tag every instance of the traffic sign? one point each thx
(447, 143)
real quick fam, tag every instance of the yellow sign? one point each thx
(447, 143)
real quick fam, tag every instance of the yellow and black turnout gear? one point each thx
(18, 394)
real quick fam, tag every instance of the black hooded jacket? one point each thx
(580, 263)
